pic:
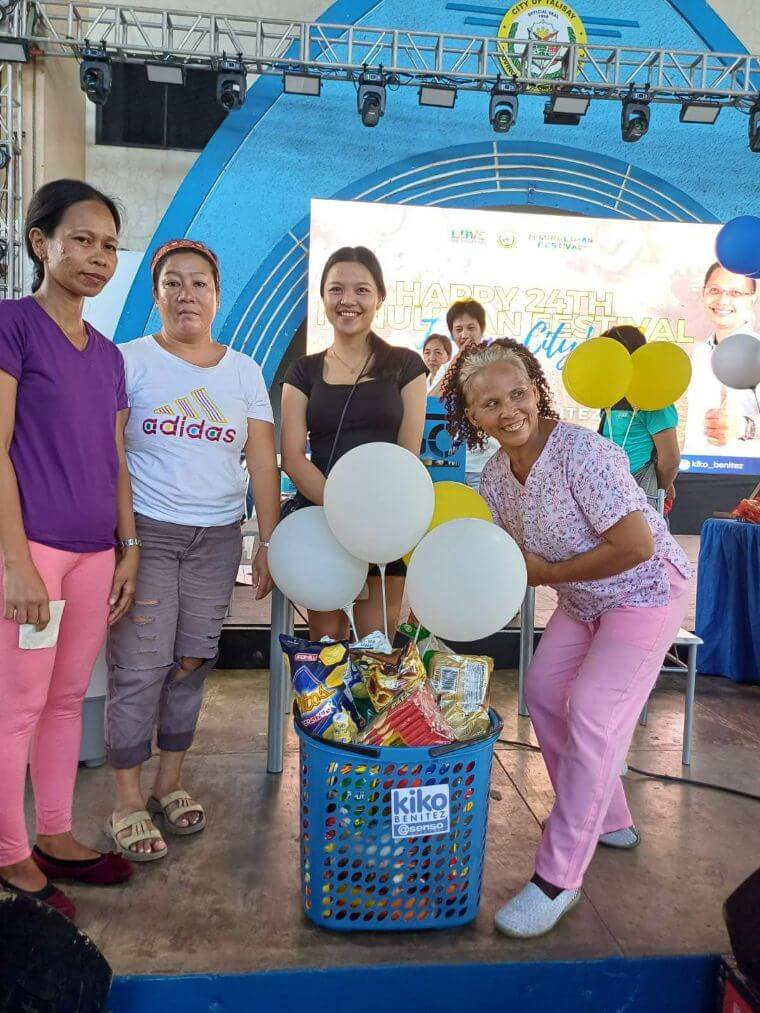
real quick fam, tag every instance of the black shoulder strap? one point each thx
(345, 409)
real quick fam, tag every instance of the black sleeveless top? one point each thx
(376, 409)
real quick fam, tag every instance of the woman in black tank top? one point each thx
(388, 405)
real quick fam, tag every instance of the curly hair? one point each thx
(471, 362)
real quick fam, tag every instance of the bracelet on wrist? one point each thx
(129, 543)
(263, 544)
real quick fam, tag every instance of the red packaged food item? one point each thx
(387, 676)
(748, 510)
(411, 720)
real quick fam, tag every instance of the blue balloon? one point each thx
(737, 246)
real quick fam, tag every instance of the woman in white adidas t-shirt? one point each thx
(195, 407)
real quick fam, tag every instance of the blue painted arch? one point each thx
(272, 305)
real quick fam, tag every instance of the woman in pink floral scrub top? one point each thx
(567, 497)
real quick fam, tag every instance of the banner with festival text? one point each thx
(549, 281)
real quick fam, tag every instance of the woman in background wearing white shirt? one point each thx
(436, 354)
(195, 406)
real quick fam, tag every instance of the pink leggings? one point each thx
(585, 689)
(42, 692)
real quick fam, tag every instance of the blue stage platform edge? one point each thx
(649, 985)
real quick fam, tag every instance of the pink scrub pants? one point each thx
(585, 689)
(41, 694)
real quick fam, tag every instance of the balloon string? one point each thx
(385, 603)
(608, 420)
(349, 610)
(633, 416)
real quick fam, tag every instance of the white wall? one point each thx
(144, 179)
(743, 18)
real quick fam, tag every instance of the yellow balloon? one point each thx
(452, 501)
(598, 373)
(661, 374)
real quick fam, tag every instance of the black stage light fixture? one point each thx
(370, 99)
(167, 71)
(699, 110)
(95, 75)
(565, 109)
(502, 112)
(13, 50)
(230, 84)
(634, 119)
(442, 96)
(754, 127)
(302, 84)
(5, 156)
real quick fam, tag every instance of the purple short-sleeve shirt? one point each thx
(578, 488)
(63, 448)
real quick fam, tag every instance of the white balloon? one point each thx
(736, 361)
(379, 501)
(310, 566)
(466, 579)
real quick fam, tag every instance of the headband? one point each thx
(190, 246)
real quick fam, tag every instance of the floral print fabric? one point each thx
(578, 488)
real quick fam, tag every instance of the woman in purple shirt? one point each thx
(65, 498)
(568, 499)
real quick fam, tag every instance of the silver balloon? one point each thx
(736, 361)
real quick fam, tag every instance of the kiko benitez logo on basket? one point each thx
(194, 416)
(420, 812)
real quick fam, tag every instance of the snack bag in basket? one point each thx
(378, 643)
(461, 685)
(412, 719)
(387, 676)
(318, 672)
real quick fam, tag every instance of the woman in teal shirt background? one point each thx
(649, 438)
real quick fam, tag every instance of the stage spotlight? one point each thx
(5, 157)
(502, 112)
(754, 127)
(634, 119)
(565, 109)
(230, 84)
(166, 72)
(302, 84)
(370, 99)
(699, 111)
(13, 50)
(95, 75)
(441, 95)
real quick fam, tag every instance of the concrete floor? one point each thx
(228, 899)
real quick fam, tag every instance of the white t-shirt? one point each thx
(706, 392)
(186, 432)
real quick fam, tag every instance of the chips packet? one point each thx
(412, 719)
(378, 643)
(318, 672)
(461, 684)
(387, 676)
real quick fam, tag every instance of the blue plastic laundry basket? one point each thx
(393, 838)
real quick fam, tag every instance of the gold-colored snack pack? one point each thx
(462, 688)
(387, 676)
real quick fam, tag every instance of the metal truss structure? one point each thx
(397, 57)
(11, 185)
(342, 52)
